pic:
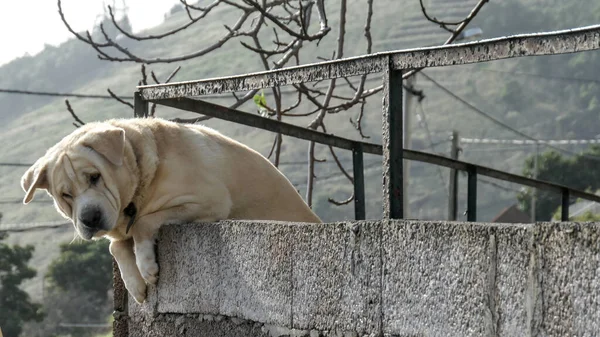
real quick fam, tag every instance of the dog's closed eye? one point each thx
(94, 178)
(67, 196)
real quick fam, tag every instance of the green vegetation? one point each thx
(15, 304)
(579, 172)
(79, 286)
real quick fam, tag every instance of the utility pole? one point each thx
(453, 185)
(535, 175)
(406, 125)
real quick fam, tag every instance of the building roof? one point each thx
(512, 214)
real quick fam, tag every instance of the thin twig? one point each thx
(443, 24)
(160, 36)
(154, 77)
(358, 123)
(173, 73)
(272, 148)
(78, 122)
(119, 99)
(343, 202)
(190, 120)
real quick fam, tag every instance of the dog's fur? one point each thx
(172, 173)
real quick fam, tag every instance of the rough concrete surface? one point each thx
(336, 277)
(435, 279)
(392, 278)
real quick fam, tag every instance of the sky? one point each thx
(25, 26)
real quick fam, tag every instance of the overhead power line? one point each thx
(513, 148)
(97, 96)
(529, 141)
(59, 94)
(498, 122)
(558, 78)
(15, 164)
(496, 185)
(21, 201)
(32, 226)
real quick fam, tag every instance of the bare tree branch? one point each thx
(134, 58)
(77, 35)
(78, 122)
(190, 120)
(357, 124)
(318, 121)
(160, 36)
(272, 148)
(119, 99)
(154, 77)
(319, 35)
(343, 202)
(290, 22)
(173, 73)
(451, 39)
(443, 24)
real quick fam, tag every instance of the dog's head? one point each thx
(83, 173)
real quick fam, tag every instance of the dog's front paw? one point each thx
(146, 260)
(137, 289)
(149, 270)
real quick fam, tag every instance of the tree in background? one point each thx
(15, 304)
(580, 172)
(277, 33)
(585, 217)
(79, 290)
(84, 266)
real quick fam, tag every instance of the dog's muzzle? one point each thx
(91, 219)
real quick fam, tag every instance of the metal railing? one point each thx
(394, 66)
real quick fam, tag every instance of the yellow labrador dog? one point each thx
(124, 178)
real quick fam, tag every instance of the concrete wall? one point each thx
(392, 278)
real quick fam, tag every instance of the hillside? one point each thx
(542, 107)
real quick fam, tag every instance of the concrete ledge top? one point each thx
(372, 278)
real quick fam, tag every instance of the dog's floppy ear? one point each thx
(109, 142)
(35, 177)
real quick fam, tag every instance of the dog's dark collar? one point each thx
(130, 211)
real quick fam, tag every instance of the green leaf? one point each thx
(260, 100)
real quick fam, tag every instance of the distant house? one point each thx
(512, 214)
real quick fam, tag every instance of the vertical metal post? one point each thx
(407, 105)
(392, 142)
(359, 182)
(472, 193)
(453, 185)
(140, 107)
(564, 213)
(535, 175)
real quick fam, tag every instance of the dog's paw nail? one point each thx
(138, 292)
(150, 272)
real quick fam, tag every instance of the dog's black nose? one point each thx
(91, 216)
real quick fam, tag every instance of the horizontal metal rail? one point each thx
(240, 117)
(547, 43)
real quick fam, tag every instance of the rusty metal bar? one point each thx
(287, 129)
(359, 182)
(392, 139)
(556, 42)
(140, 106)
(240, 117)
(564, 211)
(472, 193)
